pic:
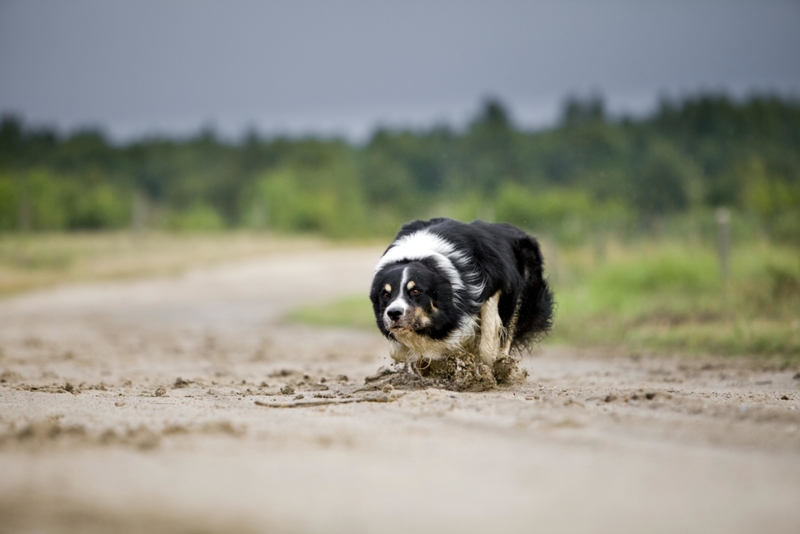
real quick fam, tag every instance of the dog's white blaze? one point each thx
(404, 277)
(400, 301)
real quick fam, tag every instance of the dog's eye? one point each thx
(385, 295)
(414, 292)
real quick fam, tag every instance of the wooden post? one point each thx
(723, 218)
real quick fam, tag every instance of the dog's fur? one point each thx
(446, 287)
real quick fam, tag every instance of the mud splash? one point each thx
(456, 372)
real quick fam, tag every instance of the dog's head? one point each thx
(413, 298)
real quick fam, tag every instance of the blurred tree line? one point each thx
(589, 173)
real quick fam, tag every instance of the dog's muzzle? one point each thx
(397, 318)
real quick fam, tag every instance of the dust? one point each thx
(454, 372)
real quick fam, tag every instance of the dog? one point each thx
(446, 287)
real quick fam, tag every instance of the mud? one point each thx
(590, 440)
(462, 372)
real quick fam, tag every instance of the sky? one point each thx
(298, 67)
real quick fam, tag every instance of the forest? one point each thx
(589, 174)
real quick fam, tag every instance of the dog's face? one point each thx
(412, 299)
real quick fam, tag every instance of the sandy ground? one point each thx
(131, 407)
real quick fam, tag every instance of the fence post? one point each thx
(723, 218)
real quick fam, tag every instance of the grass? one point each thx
(670, 296)
(31, 261)
(664, 296)
(353, 311)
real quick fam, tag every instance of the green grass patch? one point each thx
(353, 311)
(670, 296)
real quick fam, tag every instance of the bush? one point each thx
(98, 207)
(42, 204)
(309, 199)
(9, 204)
(567, 214)
(198, 217)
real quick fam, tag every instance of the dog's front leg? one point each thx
(491, 329)
(511, 330)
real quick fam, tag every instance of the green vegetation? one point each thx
(352, 312)
(589, 174)
(670, 296)
(654, 295)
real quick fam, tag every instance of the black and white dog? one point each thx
(446, 287)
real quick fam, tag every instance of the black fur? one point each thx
(487, 257)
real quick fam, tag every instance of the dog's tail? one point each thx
(534, 316)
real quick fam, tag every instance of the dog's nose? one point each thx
(394, 314)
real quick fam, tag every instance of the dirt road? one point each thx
(131, 407)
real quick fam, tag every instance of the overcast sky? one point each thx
(331, 67)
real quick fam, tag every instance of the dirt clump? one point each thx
(10, 376)
(222, 427)
(47, 430)
(454, 372)
(50, 388)
(181, 383)
(506, 371)
(51, 431)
